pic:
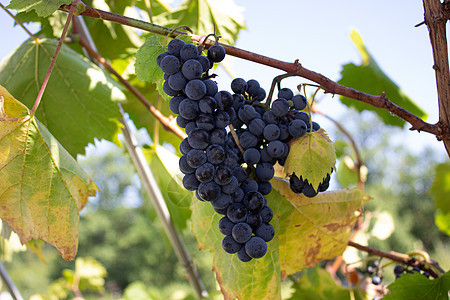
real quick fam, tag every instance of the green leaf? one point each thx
(203, 15)
(442, 221)
(440, 188)
(142, 117)
(145, 66)
(369, 78)
(418, 287)
(90, 273)
(80, 101)
(347, 173)
(306, 152)
(257, 279)
(307, 231)
(42, 188)
(43, 8)
(316, 283)
(312, 229)
(166, 172)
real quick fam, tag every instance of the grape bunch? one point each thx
(231, 166)
(400, 269)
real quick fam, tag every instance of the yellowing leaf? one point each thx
(312, 229)
(42, 188)
(312, 156)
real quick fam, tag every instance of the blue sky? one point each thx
(317, 33)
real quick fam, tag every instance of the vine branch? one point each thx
(294, 69)
(168, 123)
(436, 16)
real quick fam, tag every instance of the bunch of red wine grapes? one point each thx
(233, 177)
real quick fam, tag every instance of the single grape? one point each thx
(254, 201)
(254, 220)
(264, 187)
(190, 182)
(243, 256)
(296, 184)
(230, 187)
(188, 51)
(192, 69)
(185, 147)
(170, 64)
(174, 104)
(223, 175)
(241, 232)
(256, 247)
(297, 128)
(168, 90)
(239, 85)
(216, 53)
(256, 126)
(266, 232)
(240, 174)
(189, 109)
(175, 46)
(248, 140)
(222, 201)
(215, 154)
(198, 138)
(237, 196)
(252, 156)
(285, 93)
(205, 173)
(275, 149)
(222, 119)
(270, 118)
(195, 158)
(398, 270)
(237, 212)
(230, 245)
(204, 62)
(205, 121)
(160, 58)
(280, 107)
(253, 87)
(264, 171)
(217, 136)
(209, 191)
(225, 226)
(271, 132)
(266, 214)
(224, 100)
(207, 105)
(211, 87)
(249, 185)
(185, 168)
(195, 89)
(247, 113)
(299, 102)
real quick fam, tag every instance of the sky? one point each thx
(318, 34)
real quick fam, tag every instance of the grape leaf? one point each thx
(165, 170)
(42, 188)
(442, 221)
(307, 231)
(313, 229)
(316, 283)
(43, 8)
(143, 118)
(369, 78)
(312, 156)
(440, 188)
(418, 287)
(80, 101)
(257, 279)
(203, 16)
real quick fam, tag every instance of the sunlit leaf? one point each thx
(42, 188)
(306, 152)
(43, 8)
(80, 101)
(369, 78)
(313, 229)
(416, 286)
